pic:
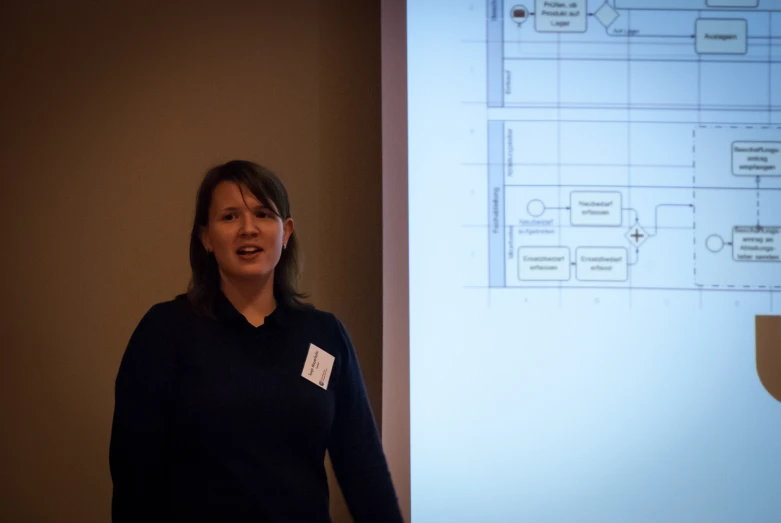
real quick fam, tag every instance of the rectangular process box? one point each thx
(543, 263)
(690, 5)
(595, 209)
(732, 3)
(720, 36)
(756, 158)
(699, 5)
(554, 16)
(601, 263)
(756, 244)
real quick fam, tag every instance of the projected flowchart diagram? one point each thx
(634, 143)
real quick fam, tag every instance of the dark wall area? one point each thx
(111, 114)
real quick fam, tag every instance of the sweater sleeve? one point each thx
(355, 448)
(137, 453)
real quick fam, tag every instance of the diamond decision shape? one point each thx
(606, 14)
(636, 235)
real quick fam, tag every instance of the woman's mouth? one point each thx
(248, 253)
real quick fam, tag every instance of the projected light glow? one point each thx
(595, 219)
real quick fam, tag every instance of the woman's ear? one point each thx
(205, 239)
(287, 230)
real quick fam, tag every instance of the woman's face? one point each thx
(245, 236)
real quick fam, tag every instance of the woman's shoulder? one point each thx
(169, 312)
(177, 305)
(313, 319)
(310, 315)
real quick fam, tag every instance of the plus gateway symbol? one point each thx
(636, 235)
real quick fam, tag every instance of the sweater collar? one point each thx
(226, 312)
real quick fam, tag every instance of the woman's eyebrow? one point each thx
(256, 208)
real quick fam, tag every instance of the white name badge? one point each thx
(317, 368)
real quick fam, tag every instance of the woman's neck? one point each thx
(253, 299)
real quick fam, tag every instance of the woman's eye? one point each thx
(228, 217)
(261, 214)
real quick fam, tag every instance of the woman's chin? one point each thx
(250, 273)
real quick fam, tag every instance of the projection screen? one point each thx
(589, 199)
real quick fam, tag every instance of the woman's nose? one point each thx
(248, 225)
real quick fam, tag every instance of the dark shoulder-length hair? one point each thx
(268, 189)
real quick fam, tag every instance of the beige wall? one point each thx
(110, 116)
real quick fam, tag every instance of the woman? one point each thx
(228, 397)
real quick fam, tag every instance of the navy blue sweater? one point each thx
(214, 422)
